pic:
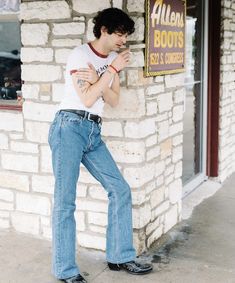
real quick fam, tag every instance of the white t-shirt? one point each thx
(79, 58)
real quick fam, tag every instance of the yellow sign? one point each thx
(165, 37)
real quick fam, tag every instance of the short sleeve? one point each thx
(77, 59)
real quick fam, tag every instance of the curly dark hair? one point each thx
(115, 20)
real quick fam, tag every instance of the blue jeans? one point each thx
(73, 140)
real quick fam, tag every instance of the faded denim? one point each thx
(74, 140)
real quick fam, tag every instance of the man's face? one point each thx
(117, 40)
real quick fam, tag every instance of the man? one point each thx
(74, 137)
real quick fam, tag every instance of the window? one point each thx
(10, 64)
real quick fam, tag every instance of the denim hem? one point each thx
(68, 276)
(121, 260)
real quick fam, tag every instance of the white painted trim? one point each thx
(201, 177)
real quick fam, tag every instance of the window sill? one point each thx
(11, 107)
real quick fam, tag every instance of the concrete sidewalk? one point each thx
(198, 250)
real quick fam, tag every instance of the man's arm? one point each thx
(111, 95)
(90, 93)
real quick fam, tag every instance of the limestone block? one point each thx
(176, 129)
(20, 162)
(135, 77)
(80, 221)
(155, 235)
(139, 197)
(46, 163)
(165, 102)
(179, 95)
(141, 216)
(82, 7)
(57, 92)
(89, 34)
(118, 4)
(163, 130)
(6, 206)
(178, 112)
(30, 91)
(45, 220)
(41, 73)
(29, 54)
(177, 140)
(97, 229)
(171, 218)
(169, 170)
(14, 181)
(45, 10)
(157, 197)
(11, 121)
(16, 136)
(127, 152)
(46, 232)
(175, 191)
(4, 223)
(172, 81)
(177, 154)
(166, 148)
(68, 42)
(152, 108)
(138, 35)
(61, 55)
(26, 223)
(139, 176)
(32, 203)
(135, 6)
(6, 195)
(63, 29)
(34, 34)
(39, 111)
(150, 187)
(43, 184)
(131, 105)
(137, 59)
(155, 89)
(91, 241)
(169, 179)
(150, 141)
(112, 129)
(152, 226)
(3, 141)
(159, 210)
(24, 147)
(97, 192)
(97, 218)
(86, 178)
(96, 206)
(141, 129)
(153, 153)
(36, 131)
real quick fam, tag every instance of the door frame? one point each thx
(213, 87)
(202, 176)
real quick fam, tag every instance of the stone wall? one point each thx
(144, 133)
(227, 92)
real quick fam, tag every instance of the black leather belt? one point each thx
(86, 115)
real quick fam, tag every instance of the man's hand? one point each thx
(87, 74)
(122, 60)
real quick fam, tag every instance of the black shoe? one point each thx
(132, 267)
(75, 279)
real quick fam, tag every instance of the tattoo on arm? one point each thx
(81, 83)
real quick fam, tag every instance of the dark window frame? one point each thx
(11, 16)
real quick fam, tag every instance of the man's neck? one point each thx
(100, 47)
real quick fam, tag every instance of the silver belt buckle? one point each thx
(88, 117)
